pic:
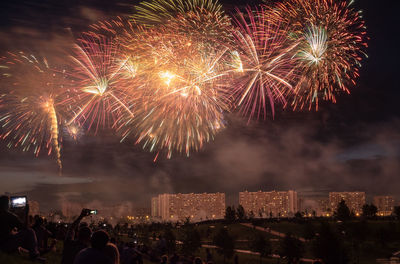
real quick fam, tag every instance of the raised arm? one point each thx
(73, 227)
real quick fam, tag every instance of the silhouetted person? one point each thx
(129, 254)
(174, 259)
(236, 259)
(164, 259)
(209, 256)
(112, 252)
(74, 244)
(42, 235)
(197, 260)
(139, 257)
(14, 234)
(96, 253)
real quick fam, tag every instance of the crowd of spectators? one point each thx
(81, 243)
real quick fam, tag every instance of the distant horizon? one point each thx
(353, 144)
(369, 198)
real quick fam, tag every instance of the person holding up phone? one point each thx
(75, 243)
(15, 235)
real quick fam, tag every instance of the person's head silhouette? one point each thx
(84, 234)
(99, 239)
(4, 203)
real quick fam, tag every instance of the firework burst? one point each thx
(32, 100)
(333, 40)
(101, 83)
(73, 131)
(203, 26)
(185, 96)
(263, 63)
(155, 12)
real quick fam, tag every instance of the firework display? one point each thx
(185, 95)
(166, 77)
(333, 40)
(155, 12)
(203, 26)
(265, 63)
(33, 100)
(101, 87)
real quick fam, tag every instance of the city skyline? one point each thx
(321, 205)
(351, 145)
(199, 131)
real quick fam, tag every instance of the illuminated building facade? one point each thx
(154, 207)
(314, 206)
(195, 206)
(354, 200)
(323, 208)
(385, 205)
(265, 204)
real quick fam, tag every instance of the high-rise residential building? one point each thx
(354, 200)
(196, 206)
(314, 206)
(154, 207)
(265, 204)
(323, 208)
(385, 205)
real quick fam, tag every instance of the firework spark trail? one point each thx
(33, 99)
(333, 42)
(156, 12)
(264, 63)
(101, 86)
(112, 29)
(185, 94)
(169, 75)
(203, 22)
(73, 131)
(54, 132)
(317, 45)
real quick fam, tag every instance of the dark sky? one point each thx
(351, 145)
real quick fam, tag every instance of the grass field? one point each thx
(55, 257)
(380, 240)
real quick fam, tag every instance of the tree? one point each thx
(369, 210)
(190, 240)
(144, 236)
(170, 240)
(240, 213)
(309, 230)
(291, 248)
(251, 215)
(329, 247)
(230, 214)
(396, 211)
(261, 245)
(225, 243)
(357, 234)
(343, 212)
(298, 215)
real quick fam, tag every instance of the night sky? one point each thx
(348, 146)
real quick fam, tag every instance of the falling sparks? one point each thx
(33, 99)
(167, 76)
(332, 39)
